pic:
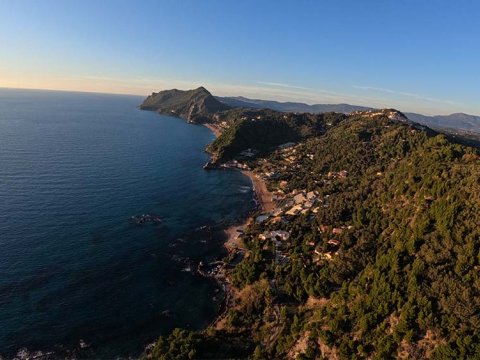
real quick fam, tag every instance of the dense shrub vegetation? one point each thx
(264, 129)
(405, 281)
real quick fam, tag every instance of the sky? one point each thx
(413, 55)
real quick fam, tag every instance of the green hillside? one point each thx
(382, 262)
(263, 130)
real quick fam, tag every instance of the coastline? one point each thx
(233, 241)
(263, 199)
(236, 247)
(262, 196)
(213, 128)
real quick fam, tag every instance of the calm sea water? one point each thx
(73, 168)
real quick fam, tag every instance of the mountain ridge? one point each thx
(199, 106)
(289, 106)
(457, 121)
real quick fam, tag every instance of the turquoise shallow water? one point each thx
(73, 168)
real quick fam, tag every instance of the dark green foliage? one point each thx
(406, 278)
(186, 345)
(181, 344)
(263, 130)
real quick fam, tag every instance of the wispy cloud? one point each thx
(407, 94)
(269, 90)
(288, 86)
(303, 93)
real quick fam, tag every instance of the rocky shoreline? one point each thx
(218, 270)
(233, 244)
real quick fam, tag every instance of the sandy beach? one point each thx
(265, 204)
(262, 196)
(215, 129)
(234, 242)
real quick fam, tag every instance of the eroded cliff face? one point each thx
(195, 106)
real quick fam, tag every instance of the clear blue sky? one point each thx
(415, 55)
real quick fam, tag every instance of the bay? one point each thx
(74, 167)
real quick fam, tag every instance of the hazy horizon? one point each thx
(414, 56)
(214, 94)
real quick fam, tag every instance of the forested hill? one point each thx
(457, 121)
(263, 130)
(242, 102)
(200, 106)
(192, 105)
(372, 252)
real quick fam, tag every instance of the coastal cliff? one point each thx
(195, 106)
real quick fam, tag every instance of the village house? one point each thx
(323, 255)
(280, 235)
(343, 174)
(277, 212)
(337, 231)
(294, 210)
(326, 256)
(276, 235)
(323, 228)
(276, 220)
(299, 199)
(333, 242)
(271, 175)
(307, 204)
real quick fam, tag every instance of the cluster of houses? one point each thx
(296, 202)
(288, 152)
(393, 115)
(332, 247)
(326, 250)
(258, 117)
(279, 238)
(343, 174)
(235, 164)
(300, 202)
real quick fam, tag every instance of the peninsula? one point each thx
(195, 106)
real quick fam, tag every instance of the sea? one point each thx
(78, 276)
